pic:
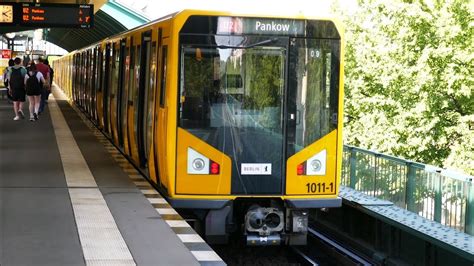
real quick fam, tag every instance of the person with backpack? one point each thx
(16, 82)
(5, 79)
(34, 81)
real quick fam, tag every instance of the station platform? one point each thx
(68, 197)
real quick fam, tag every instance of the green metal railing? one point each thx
(434, 193)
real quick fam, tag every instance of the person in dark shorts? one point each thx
(16, 83)
(34, 81)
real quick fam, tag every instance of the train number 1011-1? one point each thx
(320, 187)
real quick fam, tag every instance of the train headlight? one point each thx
(198, 164)
(315, 165)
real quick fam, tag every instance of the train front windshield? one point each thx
(259, 98)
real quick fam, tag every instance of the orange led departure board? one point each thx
(47, 15)
(62, 15)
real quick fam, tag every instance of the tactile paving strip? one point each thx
(435, 230)
(101, 241)
(198, 247)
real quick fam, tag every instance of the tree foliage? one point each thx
(409, 80)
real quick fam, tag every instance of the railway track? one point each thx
(323, 250)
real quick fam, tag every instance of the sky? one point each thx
(155, 9)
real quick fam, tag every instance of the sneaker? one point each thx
(32, 119)
(16, 118)
(22, 115)
(35, 116)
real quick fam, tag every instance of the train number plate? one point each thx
(256, 169)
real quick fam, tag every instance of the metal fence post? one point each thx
(469, 222)
(352, 174)
(438, 200)
(411, 187)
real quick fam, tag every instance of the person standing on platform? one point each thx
(11, 63)
(51, 76)
(34, 81)
(44, 69)
(16, 82)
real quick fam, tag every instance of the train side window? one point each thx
(163, 75)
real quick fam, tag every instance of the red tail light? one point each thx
(215, 168)
(301, 169)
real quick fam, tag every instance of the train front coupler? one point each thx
(273, 226)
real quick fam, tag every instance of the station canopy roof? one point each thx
(111, 17)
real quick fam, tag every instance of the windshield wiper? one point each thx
(248, 46)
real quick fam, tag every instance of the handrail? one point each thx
(437, 194)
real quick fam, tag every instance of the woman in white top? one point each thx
(34, 81)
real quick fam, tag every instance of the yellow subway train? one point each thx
(235, 118)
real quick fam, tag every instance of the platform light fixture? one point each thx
(10, 35)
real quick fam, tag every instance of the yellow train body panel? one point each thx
(206, 184)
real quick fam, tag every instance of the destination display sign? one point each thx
(237, 25)
(48, 15)
(75, 16)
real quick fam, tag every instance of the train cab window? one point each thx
(315, 90)
(232, 87)
(164, 56)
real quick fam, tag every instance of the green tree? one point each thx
(409, 80)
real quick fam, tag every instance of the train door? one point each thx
(105, 89)
(83, 80)
(87, 83)
(143, 115)
(161, 121)
(151, 113)
(74, 77)
(126, 91)
(77, 74)
(132, 111)
(94, 85)
(113, 81)
(79, 81)
(100, 88)
(90, 74)
(120, 92)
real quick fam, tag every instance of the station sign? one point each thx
(47, 15)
